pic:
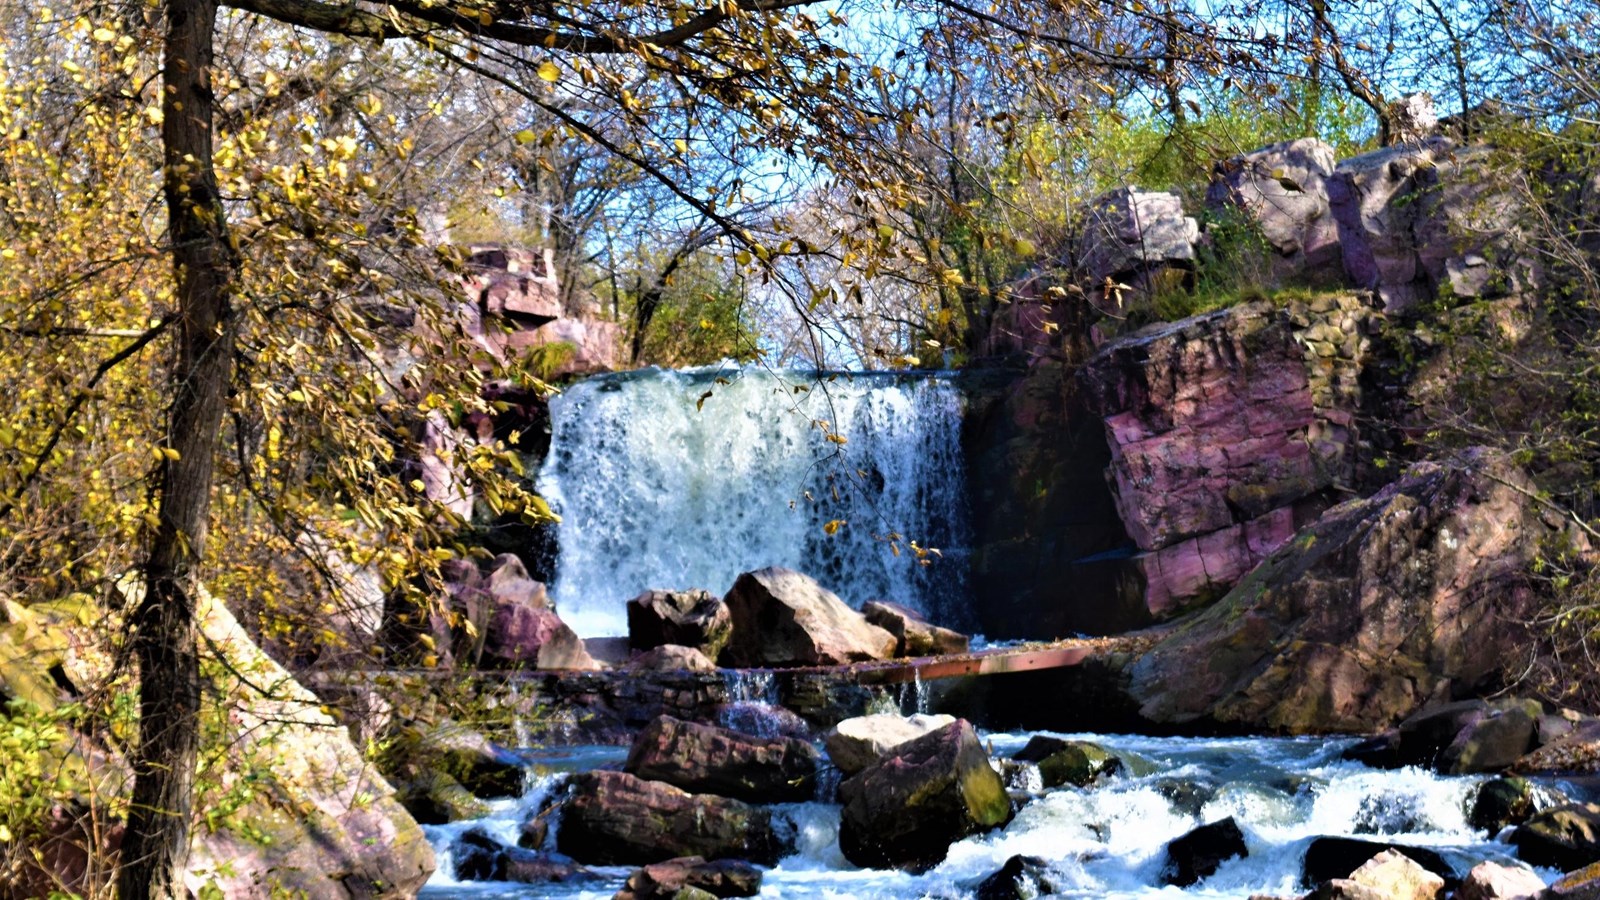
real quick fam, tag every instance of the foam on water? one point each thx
(1108, 841)
(683, 479)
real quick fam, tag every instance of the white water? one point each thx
(1107, 842)
(662, 487)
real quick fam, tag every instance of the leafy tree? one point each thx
(294, 185)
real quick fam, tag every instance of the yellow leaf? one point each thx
(297, 396)
(71, 66)
(104, 35)
(525, 136)
(832, 526)
(549, 71)
(681, 144)
(486, 18)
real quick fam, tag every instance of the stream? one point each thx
(1102, 842)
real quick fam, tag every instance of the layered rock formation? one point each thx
(1384, 605)
(1228, 432)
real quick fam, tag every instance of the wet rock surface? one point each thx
(1565, 838)
(613, 818)
(706, 759)
(718, 878)
(1199, 853)
(906, 810)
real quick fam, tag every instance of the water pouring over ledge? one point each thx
(683, 479)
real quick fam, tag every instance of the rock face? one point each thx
(613, 818)
(522, 635)
(1129, 234)
(1202, 851)
(1227, 432)
(690, 618)
(932, 791)
(1382, 606)
(513, 303)
(784, 618)
(323, 822)
(347, 836)
(913, 634)
(705, 759)
(1565, 838)
(1282, 189)
(1043, 516)
(855, 744)
(1426, 218)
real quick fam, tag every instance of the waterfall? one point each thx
(684, 479)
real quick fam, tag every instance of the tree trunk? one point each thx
(163, 627)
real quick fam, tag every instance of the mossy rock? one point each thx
(1061, 762)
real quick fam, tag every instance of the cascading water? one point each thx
(1107, 842)
(684, 479)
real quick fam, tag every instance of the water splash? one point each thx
(684, 479)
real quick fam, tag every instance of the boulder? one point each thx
(1492, 881)
(705, 759)
(691, 618)
(291, 806)
(479, 857)
(320, 821)
(1502, 802)
(1329, 858)
(1470, 736)
(672, 658)
(1128, 233)
(613, 818)
(1199, 853)
(1345, 889)
(1021, 878)
(521, 635)
(719, 878)
(507, 582)
(783, 618)
(1398, 877)
(1494, 742)
(855, 744)
(1565, 838)
(1382, 605)
(1584, 884)
(905, 811)
(913, 635)
(1282, 190)
(1060, 761)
